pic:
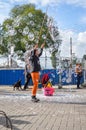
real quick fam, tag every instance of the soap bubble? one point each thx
(17, 40)
(25, 18)
(32, 23)
(25, 30)
(6, 34)
(28, 23)
(44, 36)
(8, 26)
(20, 30)
(17, 21)
(36, 40)
(31, 36)
(30, 14)
(24, 40)
(12, 32)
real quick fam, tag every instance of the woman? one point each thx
(35, 68)
(78, 71)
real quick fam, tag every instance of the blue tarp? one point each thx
(10, 76)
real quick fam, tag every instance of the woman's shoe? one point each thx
(34, 99)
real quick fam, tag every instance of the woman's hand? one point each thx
(42, 46)
(36, 46)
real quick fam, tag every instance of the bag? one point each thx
(45, 78)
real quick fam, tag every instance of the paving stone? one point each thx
(47, 114)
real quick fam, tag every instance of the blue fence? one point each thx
(10, 76)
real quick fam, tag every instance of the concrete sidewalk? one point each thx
(65, 110)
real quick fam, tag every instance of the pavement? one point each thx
(65, 110)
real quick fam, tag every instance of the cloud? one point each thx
(81, 3)
(37, 2)
(83, 20)
(13, 1)
(4, 5)
(45, 2)
(4, 11)
(78, 43)
(82, 37)
(65, 47)
(50, 2)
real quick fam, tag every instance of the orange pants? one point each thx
(35, 78)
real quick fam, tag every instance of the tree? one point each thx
(84, 57)
(3, 48)
(23, 29)
(54, 59)
(54, 48)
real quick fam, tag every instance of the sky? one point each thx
(69, 16)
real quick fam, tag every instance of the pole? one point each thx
(40, 32)
(70, 68)
(45, 59)
(71, 52)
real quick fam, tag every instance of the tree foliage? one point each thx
(24, 28)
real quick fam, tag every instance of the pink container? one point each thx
(48, 91)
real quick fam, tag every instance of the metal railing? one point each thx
(8, 121)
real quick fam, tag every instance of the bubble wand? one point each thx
(42, 24)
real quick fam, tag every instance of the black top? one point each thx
(34, 61)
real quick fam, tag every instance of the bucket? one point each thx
(49, 91)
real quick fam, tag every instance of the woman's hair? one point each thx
(78, 64)
(35, 51)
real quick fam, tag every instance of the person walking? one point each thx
(78, 71)
(27, 76)
(35, 69)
